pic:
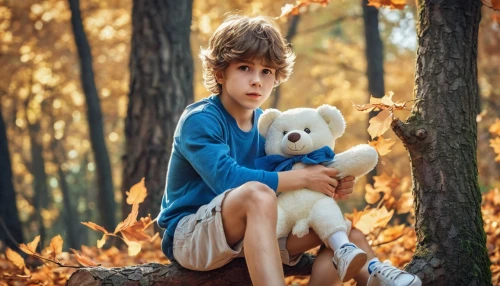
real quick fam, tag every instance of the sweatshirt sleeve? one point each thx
(203, 145)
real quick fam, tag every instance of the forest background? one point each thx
(44, 110)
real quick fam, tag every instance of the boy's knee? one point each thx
(259, 195)
(356, 236)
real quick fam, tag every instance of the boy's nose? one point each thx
(256, 81)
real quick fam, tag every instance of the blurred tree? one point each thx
(161, 85)
(9, 219)
(440, 136)
(106, 198)
(374, 61)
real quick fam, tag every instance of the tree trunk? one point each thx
(10, 230)
(106, 197)
(440, 135)
(292, 31)
(161, 85)
(374, 53)
(234, 273)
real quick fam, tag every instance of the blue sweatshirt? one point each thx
(210, 155)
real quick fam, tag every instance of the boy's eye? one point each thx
(266, 71)
(307, 130)
(244, 68)
(285, 132)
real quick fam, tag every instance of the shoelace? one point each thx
(341, 251)
(387, 270)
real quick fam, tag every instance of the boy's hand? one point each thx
(344, 188)
(321, 179)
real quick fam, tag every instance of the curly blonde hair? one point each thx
(246, 38)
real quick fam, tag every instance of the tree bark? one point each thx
(106, 197)
(161, 85)
(292, 31)
(234, 273)
(10, 231)
(440, 135)
(374, 53)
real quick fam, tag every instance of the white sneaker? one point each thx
(348, 260)
(385, 274)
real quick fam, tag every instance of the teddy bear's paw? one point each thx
(301, 228)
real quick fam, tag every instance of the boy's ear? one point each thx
(219, 76)
(334, 118)
(266, 119)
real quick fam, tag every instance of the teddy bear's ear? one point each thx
(266, 119)
(334, 118)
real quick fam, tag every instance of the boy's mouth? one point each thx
(253, 94)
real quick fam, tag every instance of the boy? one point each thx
(216, 203)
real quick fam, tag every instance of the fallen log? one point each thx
(234, 273)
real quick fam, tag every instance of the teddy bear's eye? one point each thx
(307, 130)
(285, 132)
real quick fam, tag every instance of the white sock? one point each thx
(372, 263)
(338, 239)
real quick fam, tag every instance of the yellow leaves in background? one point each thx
(393, 4)
(494, 4)
(30, 248)
(380, 123)
(495, 143)
(18, 261)
(294, 9)
(383, 146)
(132, 231)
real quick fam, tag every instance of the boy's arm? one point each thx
(202, 144)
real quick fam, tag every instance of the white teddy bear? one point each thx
(302, 136)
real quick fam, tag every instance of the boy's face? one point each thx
(246, 85)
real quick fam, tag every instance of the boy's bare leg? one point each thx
(250, 211)
(323, 271)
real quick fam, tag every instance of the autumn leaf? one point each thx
(95, 226)
(393, 4)
(137, 193)
(135, 232)
(371, 196)
(392, 233)
(131, 219)
(83, 260)
(380, 123)
(405, 203)
(30, 248)
(495, 127)
(133, 248)
(102, 241)
(373, 218)
(495, 143)
(56, 246)
(15, 258)
(154, 237)
(383, 146)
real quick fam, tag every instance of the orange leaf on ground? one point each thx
(405, 203)
(133, 248)
(30, 248)
(83, 260)
(494, 4)
(383, 146)
(495, 143)
(137, 193)
(55, 247)
(373, 218)
(95, 226)
(380, 123)
(393, 4)
(131, 219)
(102, 241)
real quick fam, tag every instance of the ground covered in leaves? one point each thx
(393, 242)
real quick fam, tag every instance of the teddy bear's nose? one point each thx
(293, 137)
